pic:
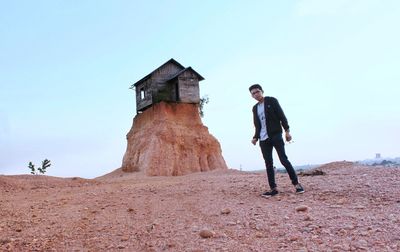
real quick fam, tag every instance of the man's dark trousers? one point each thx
(276, 142)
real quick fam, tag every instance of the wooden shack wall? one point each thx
(148, 99)
(189, 88)
(162, 90)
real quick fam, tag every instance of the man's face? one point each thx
(257, 94)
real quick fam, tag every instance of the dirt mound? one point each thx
(335, 165)
(32, 182)
(312, 172)
(169, 139)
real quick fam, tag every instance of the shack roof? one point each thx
(184, 70)
(149, 75)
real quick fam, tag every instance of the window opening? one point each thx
(142, 93)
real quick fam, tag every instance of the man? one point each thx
(268, 120)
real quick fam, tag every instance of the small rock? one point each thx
(5, 241)
(362, 244)
(226, 211)
(341, 201)
(346, 247)
(359, 207)
(205, 233)
(349, 227)
(150, 227)
(259, 235)
(307, 218)
(338, 247)
(302, 208)
(342, 232)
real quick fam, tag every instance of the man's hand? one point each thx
(254, 141)
(288, 137)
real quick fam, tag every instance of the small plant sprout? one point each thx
(204, 100)
(32, 168)
(40, 170)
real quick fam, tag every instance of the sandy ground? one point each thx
(350, 208)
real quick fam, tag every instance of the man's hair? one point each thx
(254, 86)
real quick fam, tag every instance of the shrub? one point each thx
(40, 170)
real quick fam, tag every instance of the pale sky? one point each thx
(66, 68)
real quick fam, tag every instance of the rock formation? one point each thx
(169, 139)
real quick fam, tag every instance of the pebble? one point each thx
(302, 208)
(5, 241)
(341, 247)
(205, 233)
(350, 227)
(359, 207)
(362, 244)
(226, 211)
(342, 232)
(259, 235)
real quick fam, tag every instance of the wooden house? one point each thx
(171, 82)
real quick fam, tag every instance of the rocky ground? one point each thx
(349, 208)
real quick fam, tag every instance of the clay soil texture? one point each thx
(349, 208)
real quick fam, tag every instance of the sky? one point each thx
(66, 68)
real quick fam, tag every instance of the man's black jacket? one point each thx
(275, 118)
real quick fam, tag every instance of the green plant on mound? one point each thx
(42, 170)
(204, 100)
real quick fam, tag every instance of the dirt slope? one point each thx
(169, 139)
(350, 208)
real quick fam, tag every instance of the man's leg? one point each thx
(266, 149)
(280, 149)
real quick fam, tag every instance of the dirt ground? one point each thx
(350, 208)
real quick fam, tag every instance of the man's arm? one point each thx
(284, 121)
(281, 115)
(256, 127)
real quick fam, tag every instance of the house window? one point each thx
(142, 93)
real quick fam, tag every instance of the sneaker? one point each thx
(299, 189)
(269, 193)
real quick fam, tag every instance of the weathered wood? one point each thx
(171, 82)
(189, 91)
